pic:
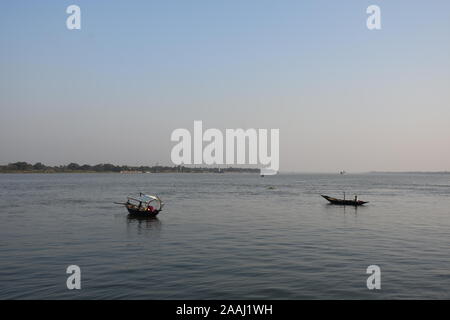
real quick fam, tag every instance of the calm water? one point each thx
(225, 236)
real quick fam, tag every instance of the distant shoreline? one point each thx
(27, 168)
(129, 173)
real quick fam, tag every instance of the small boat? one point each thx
(344, 202)
(267, 172)
(143, 205)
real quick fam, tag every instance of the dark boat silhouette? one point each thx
(143, 205)
(344, 202)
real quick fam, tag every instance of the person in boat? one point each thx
(356, 198)
(150, 208)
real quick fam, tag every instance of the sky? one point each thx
(343, 97)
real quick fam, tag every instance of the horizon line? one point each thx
(223, 166)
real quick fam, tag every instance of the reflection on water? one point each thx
(144, 223)
(344, 209)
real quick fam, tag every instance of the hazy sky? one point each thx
(342, 96)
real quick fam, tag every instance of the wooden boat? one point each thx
(344, 202)
(143, 205)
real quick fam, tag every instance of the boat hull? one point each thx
(344, 202)
(142, 213)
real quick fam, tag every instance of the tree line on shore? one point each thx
(107, 167)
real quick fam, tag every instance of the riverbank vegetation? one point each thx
(24, 167)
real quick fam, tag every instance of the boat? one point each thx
(143, 205)
(267, 172)
(344, 202)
